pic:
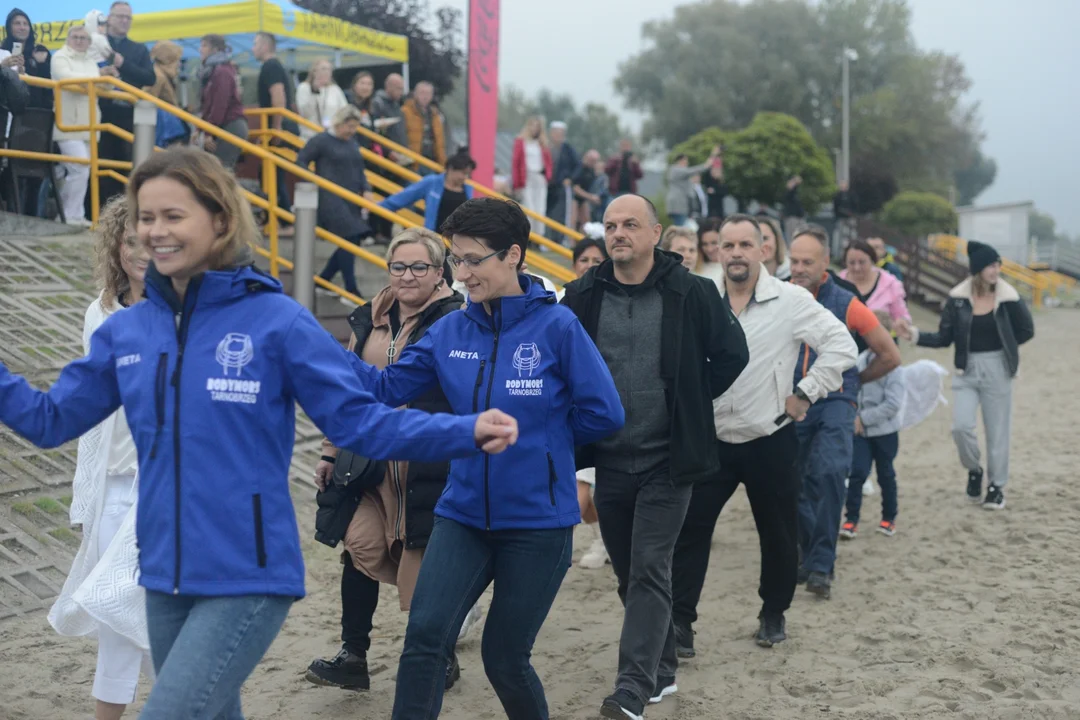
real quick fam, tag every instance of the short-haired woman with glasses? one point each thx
(506, 521)
(385, 540)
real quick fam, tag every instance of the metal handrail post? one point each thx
(145, 124)
(305, 207)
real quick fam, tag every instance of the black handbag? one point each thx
(353, 474)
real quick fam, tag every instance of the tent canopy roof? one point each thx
(302, 36)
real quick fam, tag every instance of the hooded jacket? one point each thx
(209, 386)
(532, 359)
(39, 97)
(703, 351)
(1011, 315)
(74, 106)
(430, 190)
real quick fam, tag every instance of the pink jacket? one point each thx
(889, 295)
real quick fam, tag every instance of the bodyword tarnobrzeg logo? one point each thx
(234, 352)
(526, 359)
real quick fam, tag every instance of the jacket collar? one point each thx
(664, 273)
(1003, 292)
(381, 304)
(215, 287)
(767, 287)
(507, 311)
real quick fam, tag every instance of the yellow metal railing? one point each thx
(952, 246)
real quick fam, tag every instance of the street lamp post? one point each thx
(848, 57)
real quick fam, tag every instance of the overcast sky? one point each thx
(1021, 56)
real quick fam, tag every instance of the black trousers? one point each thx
(110, 147)
(766, 466)
(359, 599)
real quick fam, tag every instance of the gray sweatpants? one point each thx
(987, 383)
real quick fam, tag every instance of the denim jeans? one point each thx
(677, 219)
(344, 262)
(640, 519)
(204, 648)
(881, 451)
(527, 567)
(825, 438)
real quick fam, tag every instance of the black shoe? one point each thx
(771, 630)
(622, 706)
(684, 641)
(995, 498)
(665, 685)
(820, 584)
(974, 491)
(345, 670)
(453, 671)
(803, 576)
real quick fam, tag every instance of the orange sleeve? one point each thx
(860, 318)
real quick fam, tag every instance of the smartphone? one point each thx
(16, 48)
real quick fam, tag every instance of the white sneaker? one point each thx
(470, 621)
(596, 556)
(868, 487)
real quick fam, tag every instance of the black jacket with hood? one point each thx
(39, 97)
(703, 351)
(1012, 317)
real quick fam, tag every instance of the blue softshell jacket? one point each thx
(430, 190)
(532, 359)
(210, 387)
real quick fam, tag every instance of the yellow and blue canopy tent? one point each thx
(302, 36)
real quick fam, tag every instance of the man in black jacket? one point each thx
(671, 346)
(131, 64)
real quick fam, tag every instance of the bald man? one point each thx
(672, 346)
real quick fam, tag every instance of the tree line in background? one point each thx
(721, 70)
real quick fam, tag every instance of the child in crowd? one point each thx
(99, 50)
(877, 440)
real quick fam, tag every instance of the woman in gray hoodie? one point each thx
(680, 192)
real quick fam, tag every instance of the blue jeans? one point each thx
(825, 439)
(344, 262)
(677, 220)
(881, 451)
(527, 567)
(203, 650)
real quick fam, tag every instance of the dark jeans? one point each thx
(110, 147)
(344, 262)
(766, 467)
(527, 567)
(359, 599)
(204, 648)
(640, 517)
(881, 451)
(825, 438)
(556, 210)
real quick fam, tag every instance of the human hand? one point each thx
(209, 143)
(904, 329)
(110, 71)
(10, 60)
(859, 429)
(715, 153)
(495, 431)
(795, 407)
(324, 473)
(117, 60)
(566, 182)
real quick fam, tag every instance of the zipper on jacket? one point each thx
(395, 468)
(160, 380)
(551, 479)
(476, 388)
(183, 322)
(487, 406)
(260, 543)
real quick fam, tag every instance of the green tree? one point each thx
(972, 180)
(920, 213)
(760, 158)
(1042, 226)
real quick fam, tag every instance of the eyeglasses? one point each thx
(472, 262)
(419, 269)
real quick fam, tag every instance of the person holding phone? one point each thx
(757, 443)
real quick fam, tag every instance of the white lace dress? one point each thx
(101, 591)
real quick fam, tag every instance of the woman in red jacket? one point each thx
(530, 170)
(221, 105)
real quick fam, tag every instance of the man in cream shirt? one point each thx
(757, 444)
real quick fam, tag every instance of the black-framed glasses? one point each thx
(472, 262)
(419, 269)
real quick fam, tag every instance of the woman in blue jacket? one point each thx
(209, 370)
(506, 520)
(442, 194)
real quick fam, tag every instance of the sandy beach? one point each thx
(963, 614)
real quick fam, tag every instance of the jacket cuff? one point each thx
(812, 388)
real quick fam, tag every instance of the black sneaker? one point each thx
(684, 641)
(771, 630)
(995, 498)
(345, 670)
(621, 705)
(665, 685)
(820, 584)
(803, 576)
(453, 671)
(974, 491)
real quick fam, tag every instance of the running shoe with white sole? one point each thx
(621, 705)
(974, 488)
(664, 686)
(887, 528)
(470, 621)
(995, 498)
(596, 556)
(868, 487)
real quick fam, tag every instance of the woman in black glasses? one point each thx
(385, 540)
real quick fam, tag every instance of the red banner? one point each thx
(482, 92)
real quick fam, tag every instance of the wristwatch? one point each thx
(801, 395)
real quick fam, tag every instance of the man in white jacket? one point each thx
(757, 444)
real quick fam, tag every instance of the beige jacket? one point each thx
(74, 106)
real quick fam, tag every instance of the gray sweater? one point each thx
(338, 161)
(880, 401)
(679, 190)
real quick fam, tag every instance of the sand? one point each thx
(964, 614)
